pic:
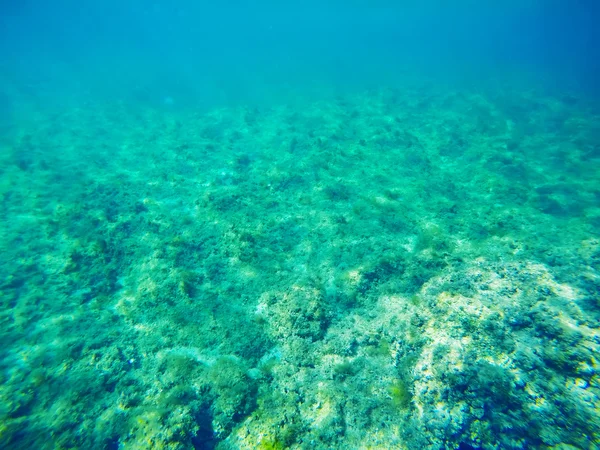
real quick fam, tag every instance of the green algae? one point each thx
(401, 395)
(395, 273)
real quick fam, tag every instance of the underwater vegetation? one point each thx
(406, 269)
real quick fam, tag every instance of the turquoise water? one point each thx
(344, 226)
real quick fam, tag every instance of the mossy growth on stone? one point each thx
(345, 370)
(380, 349)
(432, 237)
(271, 444)
(188, 283)
(401, 394)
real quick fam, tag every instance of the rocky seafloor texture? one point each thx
(398, 269)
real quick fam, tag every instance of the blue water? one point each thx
(201, 53)
(304, 225)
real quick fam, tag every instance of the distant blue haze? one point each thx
(202, 53)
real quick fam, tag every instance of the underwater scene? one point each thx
(302, 225)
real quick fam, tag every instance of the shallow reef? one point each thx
(371, 271)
